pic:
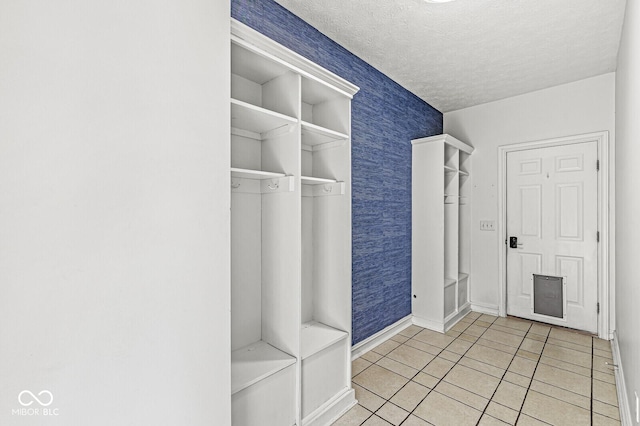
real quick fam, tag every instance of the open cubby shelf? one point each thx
(313, 135)
(254, 174)
(256, 119)
(255, 362)
(310, 180)
(316, 336)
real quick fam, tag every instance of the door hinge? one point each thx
(598, 307)
(597, 165)
(598, 236)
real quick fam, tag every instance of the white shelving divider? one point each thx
(440, 227)
(291, 193)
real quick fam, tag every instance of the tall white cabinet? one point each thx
(441, 188)
(290, 236)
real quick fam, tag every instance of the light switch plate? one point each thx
(487, 225)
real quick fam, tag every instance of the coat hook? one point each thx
(235, 184)
(274, 185)
(327, 189)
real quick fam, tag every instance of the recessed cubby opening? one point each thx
(324, 333)
(450, 157)
(268, 153)
(464, 246)
(269, 400)
(450, 299)
(323, 373)
(464, 228)
(463, 289)
(451, 187)
(321, 267)
(262, 339)
(324, 161)
(464, 189)
(261, 82)
(324, 108)
(450, 244)
(465, 163)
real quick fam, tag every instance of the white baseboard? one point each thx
(332, 410)
(485, 308)
(381, 336)
(453, 320)
(621, 387)
(444, 326)
(429, 324)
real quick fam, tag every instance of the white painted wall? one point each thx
(114, 211)
(581, 107)
(628, 200)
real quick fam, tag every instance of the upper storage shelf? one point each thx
(256, 119)
(325, 107)
(256, 67)
(254, 174)
(313, 135)
(260, 82)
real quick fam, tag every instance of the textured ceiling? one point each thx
(468, 52)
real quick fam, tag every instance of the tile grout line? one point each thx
(409, 379)
(564, 369)
(536, 368)
(419, 371)
(440, 352)
(452, 367)
(502, 379)
(533, 374)
(440, 379)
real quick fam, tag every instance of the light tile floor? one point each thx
(486, 371)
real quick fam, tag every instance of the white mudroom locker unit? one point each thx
(290, 236)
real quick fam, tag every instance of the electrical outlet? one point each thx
(487, 225)
(637, 408)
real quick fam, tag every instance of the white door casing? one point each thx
(551, 208)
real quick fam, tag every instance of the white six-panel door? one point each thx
(552, 211)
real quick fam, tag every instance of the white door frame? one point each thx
(605, 209)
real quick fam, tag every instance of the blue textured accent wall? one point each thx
(385, 117)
